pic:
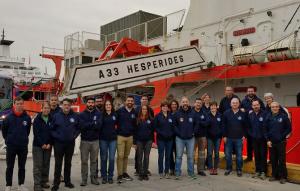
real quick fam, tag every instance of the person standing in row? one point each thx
(99, 103)
(15, 130)
(235, 124)
(126, 127)
(90, 124)
(54, 105)
(225, 103)
(206, 103)
(200, 135)
(108, 142)
(256, 119)
(277, 130)
(144, 139)
(174, 106)
(163, 124)
(64, 130)
(214, 136)
(42, 148)
(185, 124)
(246, 105)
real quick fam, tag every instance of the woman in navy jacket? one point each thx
(108, 142)
(144, 138)
(42, 147)
(163, 124)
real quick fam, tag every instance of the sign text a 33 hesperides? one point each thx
(134, 70)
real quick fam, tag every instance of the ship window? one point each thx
(87, 59)
(77, 60)
(195, 43)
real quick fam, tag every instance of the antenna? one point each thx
(3, 34)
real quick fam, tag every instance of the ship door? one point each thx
(264, 32)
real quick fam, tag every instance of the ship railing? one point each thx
(81, 40)
(164, 27)
(52, 51)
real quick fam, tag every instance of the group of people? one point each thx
(176, 127)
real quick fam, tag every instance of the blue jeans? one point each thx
(107, 148)
(213, 146)
(189, 144)
(164, 151)
(237, 144)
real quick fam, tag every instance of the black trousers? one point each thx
(249, 147)
(143, 152)
(278, 156)
(260, 155)
(63, 152)
(11, 153)
(173, 156)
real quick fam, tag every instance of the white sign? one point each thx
(122, 73)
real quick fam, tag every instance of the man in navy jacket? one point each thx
(54, 105)
(185, 124)
(15, 131)
(235, 124)
(246, 105)
(202, 122)
(256, 119)
(64, 130)
(225, 103)
(277, 129)
(90, 125)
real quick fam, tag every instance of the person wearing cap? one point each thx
(90, 124)
(277, 129)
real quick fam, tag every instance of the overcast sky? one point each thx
(36, 23)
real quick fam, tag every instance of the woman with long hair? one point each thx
(174, 106)
(144, 138)
(108, 142)
(163, 124)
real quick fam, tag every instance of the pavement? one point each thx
(208, 183)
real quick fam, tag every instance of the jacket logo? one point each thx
(95, 118)
(72, 120)
(181, 119)
(219, 119)
(132, 116)
(170, 120)
(239, 118)
(261, 119)
(280, 120)
(191, 120)
(113, 117)
(24, 123)
(148, 121)
(202, 116)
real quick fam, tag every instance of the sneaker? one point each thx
(104, 180)
(227, 172)
(141, 178)
(146, 177)
(22, 188)
(161, 176)
(46, 185)
(94, 181)
(83, 183)
(167, 176)
(239, 173)
(201, 173)
(282, 181)
(149, 173)
(256, 175)
(110, 181)
(263, 176)
(272, 179)
(192, 176)
(8, 188)
(69, 185)
(177, 177)
(127, 177)
(54, 188)
(120, 179)
(211, 171)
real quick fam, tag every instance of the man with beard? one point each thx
(246, 105)
(225, 103)
(90, 125)
(99, 103)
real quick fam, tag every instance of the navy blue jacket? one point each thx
(268, 110)
(256, 124)
(247, 103)
(65, 127)
(277, 127)
(201, 123)
(56, 110)
(108, 130)
(126, 122)
(144, 130)
(16, 129)
(205, 109)
(235, 125)
(90, 124)
(225, 103)
(164, 126)
(215, 127)
(185, 123)
(42, 131)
